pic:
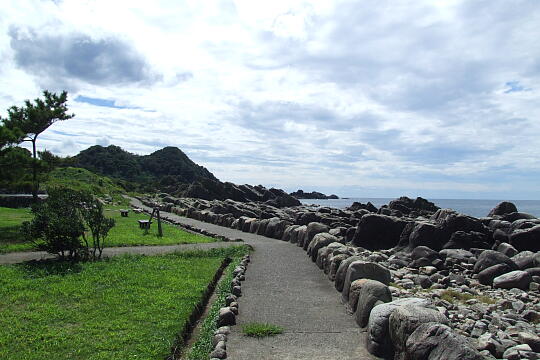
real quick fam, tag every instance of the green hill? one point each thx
(82, 179)
(161, 170)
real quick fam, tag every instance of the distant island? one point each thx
(300, 194)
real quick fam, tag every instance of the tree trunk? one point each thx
(34, 172)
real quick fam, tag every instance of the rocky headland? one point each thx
(425, 282)
(300, 194)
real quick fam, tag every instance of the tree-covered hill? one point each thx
(170, 170)
(166, 167)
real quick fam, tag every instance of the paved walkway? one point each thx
(283, 287)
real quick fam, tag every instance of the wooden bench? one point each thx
(124, 213)
(144, 224)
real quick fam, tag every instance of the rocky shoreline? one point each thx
(425, 282)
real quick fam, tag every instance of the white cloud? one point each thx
(388, 95)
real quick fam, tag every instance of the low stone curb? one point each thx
(227, 315)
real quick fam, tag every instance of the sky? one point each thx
(367, 98)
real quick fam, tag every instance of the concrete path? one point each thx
(283, 287)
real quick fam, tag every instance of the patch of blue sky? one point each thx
(515, 86)
(102, 102)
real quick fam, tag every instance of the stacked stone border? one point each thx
(227, 315)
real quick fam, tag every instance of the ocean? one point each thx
(476, 208)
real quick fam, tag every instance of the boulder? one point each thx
(514, 279)
(435, 341)
(507, 249)
(324, 254)
(275, 228)
(424, 252)
(297, 233)
(378, 339)
(528, 239)
(491, 257)
(503, 208)
(467, 240)
(376, 232)
(335, 263)
(287, 232)
(511, 217)
(406, 319)
(524, 260)
(313, 229)
(226, 317)
(371, 293)
(458, 255)
(487, 275)
(319, 240)
(341, 271)
(425, 234)
(364, 270)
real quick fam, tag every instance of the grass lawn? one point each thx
(130, 307)
(10, 222)
(125, 233)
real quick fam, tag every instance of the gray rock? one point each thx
(335, 262)
(460, 255)
(230, 299)
(371, 292)
(217, 338)
(491, 257)
(503, 208)
(376, 231)
(341, 272)
(296, 233)
(319, 240)
(519, 352)
(313, 229)
(524, 260)
(288, 231)
(423, 281)
(218, 353)
(489, 342)
(405, 319)
(236, 291)
(435, 341)
(507, 249)
(364, 270)
(528, 239)
(514, 279)
(378, 339)
(533, 340)
(226, 317)
(487, 275)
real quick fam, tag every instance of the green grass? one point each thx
(202, 347)
(10, 223)
(126, 232)
(82, 179)
(260, 330)
(451, 296)
(130, 307)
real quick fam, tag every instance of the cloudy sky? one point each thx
(364, 98)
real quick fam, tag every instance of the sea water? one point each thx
(476, 208)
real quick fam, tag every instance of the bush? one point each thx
(62, 222)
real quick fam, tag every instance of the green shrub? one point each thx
(61, 223)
